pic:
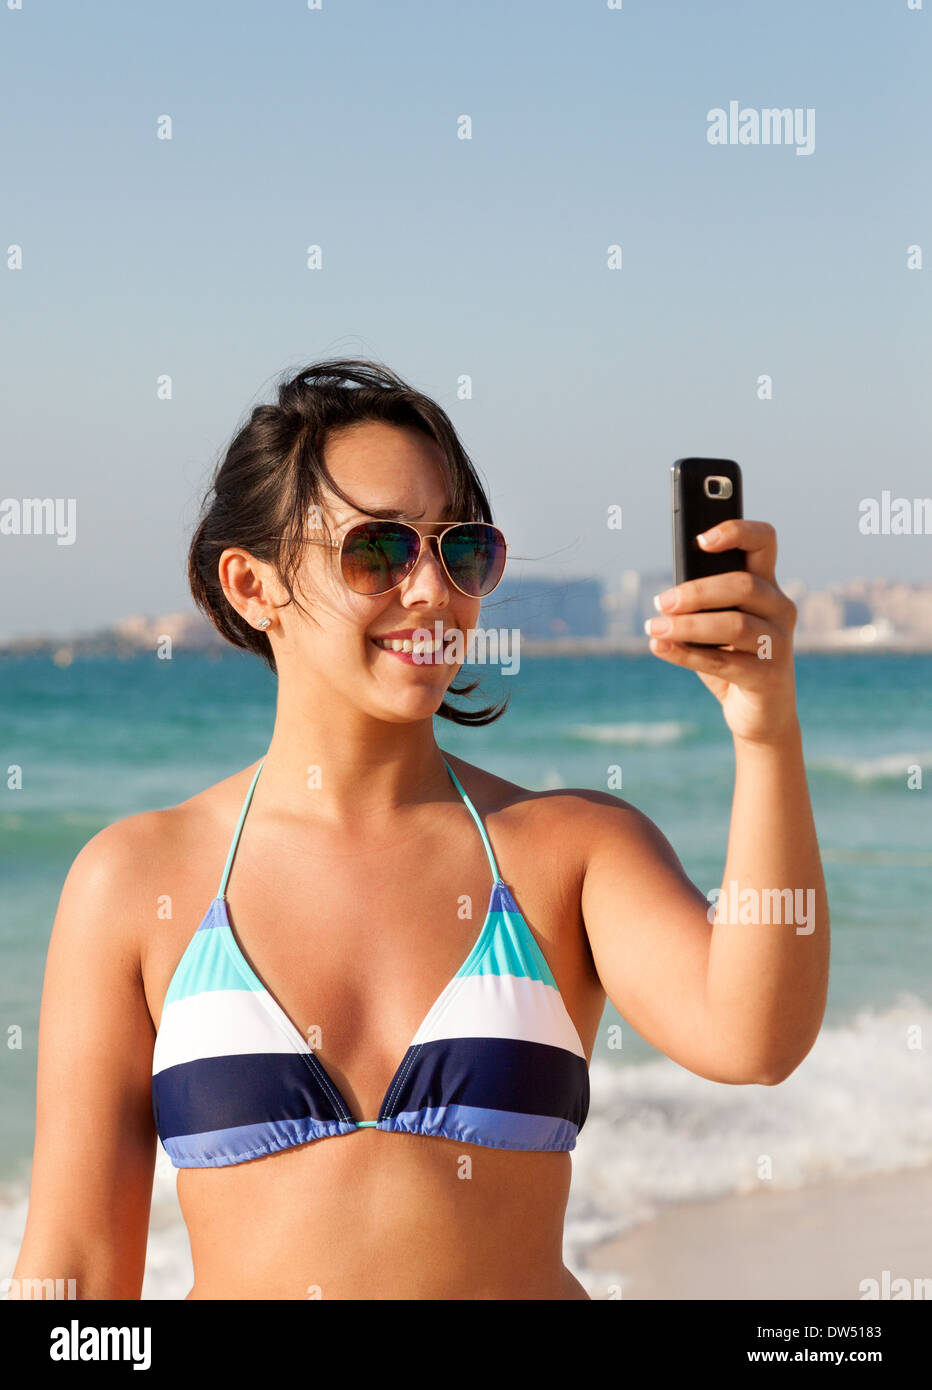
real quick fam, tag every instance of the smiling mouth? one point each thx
(424, 646)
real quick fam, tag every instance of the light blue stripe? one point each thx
(219, 1147)
(507, 946)
(493, 1129)
(206, 964)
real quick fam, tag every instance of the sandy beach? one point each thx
(817, 1242)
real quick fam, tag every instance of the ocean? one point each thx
(103, 738)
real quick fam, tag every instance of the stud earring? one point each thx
(264, 623)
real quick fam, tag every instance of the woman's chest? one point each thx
(357, 951)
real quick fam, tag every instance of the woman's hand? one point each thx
(750, 668)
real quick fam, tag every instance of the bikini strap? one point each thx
(477, 818)
(221, 892)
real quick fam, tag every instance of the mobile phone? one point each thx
(705, 491)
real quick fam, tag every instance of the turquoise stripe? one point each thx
(507, 945)
(206, 965)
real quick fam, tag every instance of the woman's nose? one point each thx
(434, 568)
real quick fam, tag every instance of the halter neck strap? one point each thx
(234, 843)
(221, 892)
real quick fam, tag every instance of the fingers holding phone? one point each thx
(726, 617)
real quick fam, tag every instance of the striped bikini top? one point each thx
(497, 1061)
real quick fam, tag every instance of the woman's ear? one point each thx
(247, 584)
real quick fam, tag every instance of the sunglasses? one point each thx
(377, 556)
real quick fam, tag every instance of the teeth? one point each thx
(426, 646)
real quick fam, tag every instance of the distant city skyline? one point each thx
(857, 612)
(519, 209)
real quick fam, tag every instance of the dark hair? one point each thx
(273, 472)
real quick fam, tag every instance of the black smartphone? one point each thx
(705, 491)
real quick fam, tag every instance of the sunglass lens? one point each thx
(377, 555)
(474, 554)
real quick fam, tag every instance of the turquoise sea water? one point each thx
(104, 738)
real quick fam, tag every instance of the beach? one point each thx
(831, 1240)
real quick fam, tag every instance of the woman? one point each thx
(369, 1060)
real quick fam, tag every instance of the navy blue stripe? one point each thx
(529, 1078)
(247, 1089)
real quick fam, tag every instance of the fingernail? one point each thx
(709, 537)
(654, 627)
(666, 600)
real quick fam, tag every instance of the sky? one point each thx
(444, 257)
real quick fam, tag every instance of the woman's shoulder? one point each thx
(138, 848)
(491, 785)
(580, 809)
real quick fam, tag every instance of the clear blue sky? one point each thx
(442, 256)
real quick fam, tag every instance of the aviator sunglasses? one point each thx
(377, 556)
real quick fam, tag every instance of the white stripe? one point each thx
(501, 1006)
(217, 1023)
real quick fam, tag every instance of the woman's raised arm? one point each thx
(736, 992)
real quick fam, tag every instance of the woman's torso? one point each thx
(356, 933)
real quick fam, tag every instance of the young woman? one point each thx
(362, 1030)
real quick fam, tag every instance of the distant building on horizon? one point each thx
(632, 601)
(546, 608)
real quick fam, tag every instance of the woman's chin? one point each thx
(419, 701)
